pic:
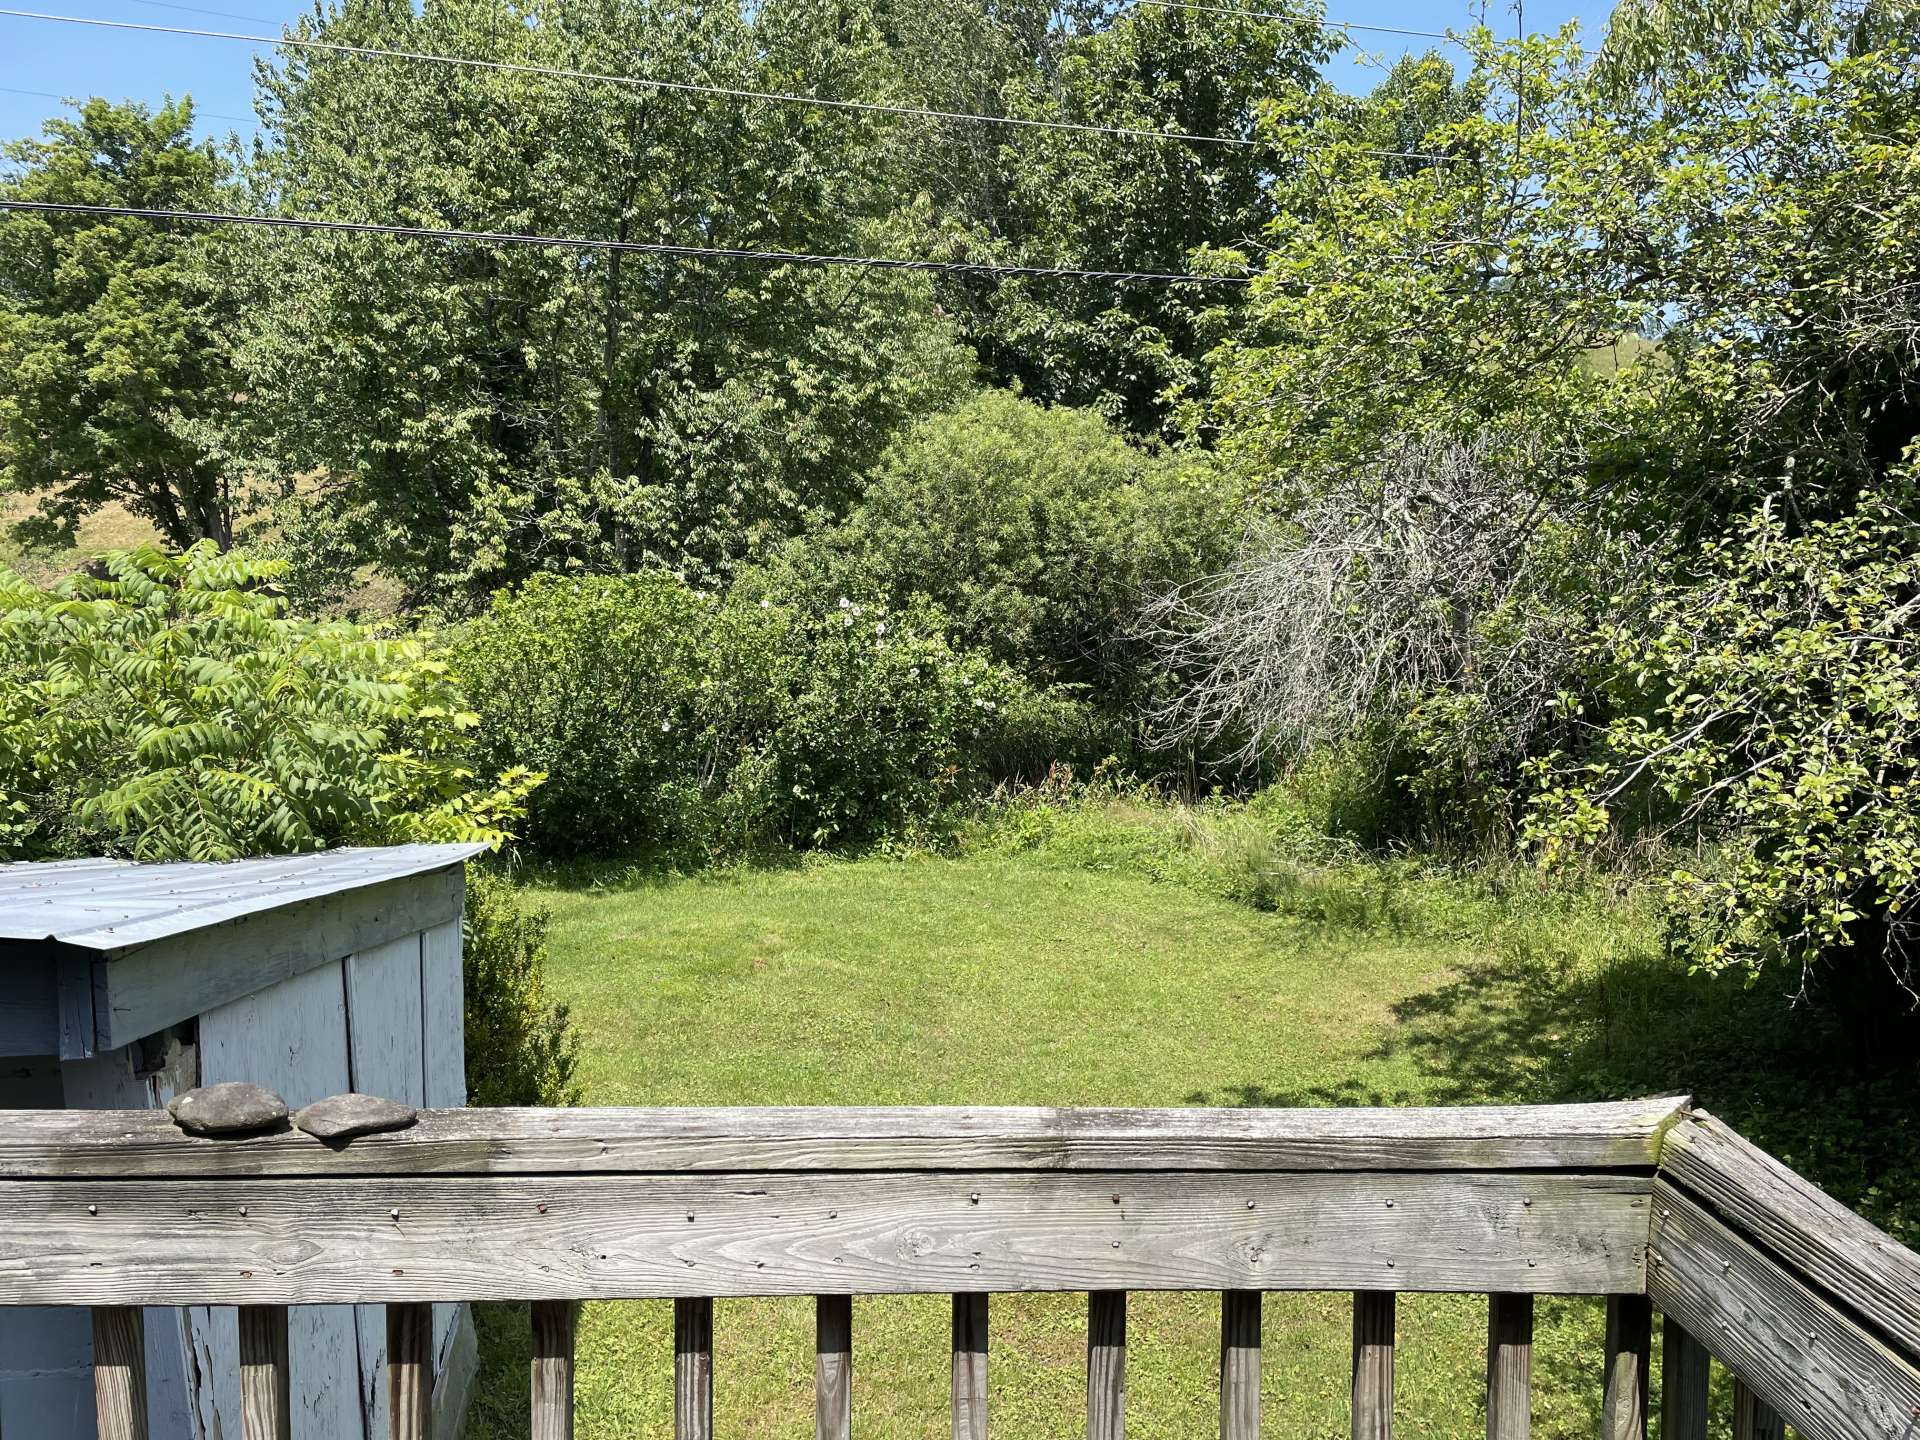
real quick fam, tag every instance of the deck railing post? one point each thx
(1373, 1364)
(1509, 1367)
(1240, 1365)
(1623, 1407)
(554, 1324)
(1686, 1372)
(119, 1372)
(410, 1371)
(833, 1367)
(266, 1379)
(693, 1369)
(970, 1367)
(1753, 1418)
(1106, 1364)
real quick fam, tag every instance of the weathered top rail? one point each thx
(1815, 1310)
(112, 1144)
(120, 1208)
(1648, 1203)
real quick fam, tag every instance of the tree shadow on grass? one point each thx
(1534, 1026)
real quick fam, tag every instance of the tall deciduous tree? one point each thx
(1089, 200)
(478, 413)
(112, 352)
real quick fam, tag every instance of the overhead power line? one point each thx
(66, 100)
(1282, 15)
(642, 82)
(201, 10)
(686, 86)
(639, 247)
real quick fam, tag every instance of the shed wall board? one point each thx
(443, 1036)
(29, 1013)
(292, 1038)
(384, 1030)
(115, 1081)
(152, 986)
(46, 1385)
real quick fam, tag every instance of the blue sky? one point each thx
(48, 61)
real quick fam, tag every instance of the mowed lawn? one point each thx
(1001, 981)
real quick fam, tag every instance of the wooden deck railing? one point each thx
(1646, 1203)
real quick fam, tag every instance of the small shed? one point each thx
(122, 984)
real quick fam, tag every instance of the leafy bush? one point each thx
(1773, 702)
(175, 710)
(684, 723)
(593, 681)
(845, 724)
(1039, 532)
(521, 1048)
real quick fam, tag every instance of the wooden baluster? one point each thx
(1509, 1367)
(693, 1369)
(970, 1367)
(1373, 1364)
(833, 1367)
(266, 1391)
(1240, 1365)
(1623, 1405)
(1685, 1373)
(554, 1322)
(1753, 1418)
(119, 1372)
(1106, 1364)
(410, 1371)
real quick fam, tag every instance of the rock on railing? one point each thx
(1813, 1310)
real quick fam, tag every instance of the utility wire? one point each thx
(641, 247)
(200, 10)
(68, 100)
(561, 72)
(730, 92)
(1281, 15)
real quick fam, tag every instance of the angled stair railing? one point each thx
(1647, 1203)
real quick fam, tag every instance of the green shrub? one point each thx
(688, 725)
(521, 1048)
(1039, 532)
(175, 710)
(1772, 700)
(851, 723)
(593, 681)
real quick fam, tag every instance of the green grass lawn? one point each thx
(1014, 980)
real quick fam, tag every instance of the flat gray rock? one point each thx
(341, 1117)
(233, 1108)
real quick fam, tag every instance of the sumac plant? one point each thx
(174, 709)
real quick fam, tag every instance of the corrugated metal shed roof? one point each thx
(111, 904)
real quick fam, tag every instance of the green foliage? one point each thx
(1743, 208)
(679, 722)
(111, 330)
(593, 682)
(1775, 702)
(844, 723)
(482, 414)
(1038, 532)
(1072, 199)
(521, 1047)
(174, 710)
